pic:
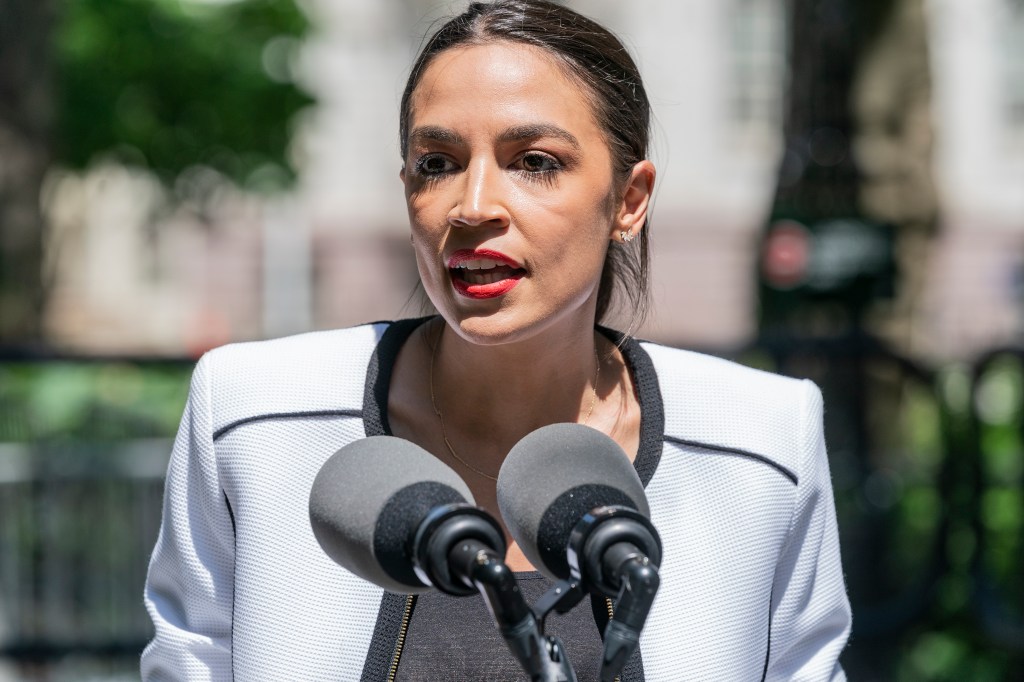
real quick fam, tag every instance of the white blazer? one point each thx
(733, 460)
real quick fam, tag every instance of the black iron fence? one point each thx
(83, 452)
(928, 468)
(75, 520)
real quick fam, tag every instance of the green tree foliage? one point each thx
(167, 84)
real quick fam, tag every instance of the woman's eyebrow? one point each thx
(434, 134)
(528, 131)
(533, 131)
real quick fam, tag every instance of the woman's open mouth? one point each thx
(483, 274)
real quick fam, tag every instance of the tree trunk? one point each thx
(26, 121)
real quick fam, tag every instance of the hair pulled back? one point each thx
(596, 59)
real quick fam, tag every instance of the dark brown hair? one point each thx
(598, 60)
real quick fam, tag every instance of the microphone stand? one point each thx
(616, 551)
(543, 658)
(454, 550)
(639, 582)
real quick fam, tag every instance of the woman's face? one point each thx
(510, 191)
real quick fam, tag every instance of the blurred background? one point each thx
(841, 197)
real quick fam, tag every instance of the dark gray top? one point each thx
(454, 639)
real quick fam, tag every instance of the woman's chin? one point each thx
(512, 325)
(489, 328)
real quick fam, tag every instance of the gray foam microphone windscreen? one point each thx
(552, 478)
(369, 498)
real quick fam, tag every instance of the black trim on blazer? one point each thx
(234, 572)
(224, 430)
(648, 393)
(381, 653)
(378, 375)
(737, 452)
(768, 649)
(375, 420)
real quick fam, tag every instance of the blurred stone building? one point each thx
(975, 292)
(134, 273)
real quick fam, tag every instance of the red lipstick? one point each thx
(483, 273)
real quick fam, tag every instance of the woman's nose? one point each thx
(482, 200)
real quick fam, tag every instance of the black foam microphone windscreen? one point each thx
(552, 478)
(368, 500)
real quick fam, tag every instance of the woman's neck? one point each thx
(469, 404)
(505, 391)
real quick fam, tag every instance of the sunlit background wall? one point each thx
(140, 265)
(196, 253)
(180, 174)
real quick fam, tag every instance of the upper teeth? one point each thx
(479, 264)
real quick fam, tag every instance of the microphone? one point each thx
(389, 511)
(393, 514)
(572, 500)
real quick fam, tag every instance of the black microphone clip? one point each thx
(445, 527)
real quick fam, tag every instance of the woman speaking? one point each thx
(524, 137)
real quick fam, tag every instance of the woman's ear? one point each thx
(636, 199)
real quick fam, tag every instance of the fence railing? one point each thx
(84, 444)
(75, 521)
(927, 465)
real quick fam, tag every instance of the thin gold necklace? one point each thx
(440, 416)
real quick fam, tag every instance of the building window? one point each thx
(758, 54)
(1011, 59)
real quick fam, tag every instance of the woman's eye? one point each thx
(538, 163)
(434, 164)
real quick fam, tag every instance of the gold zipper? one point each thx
(401, 636)
(611, 614)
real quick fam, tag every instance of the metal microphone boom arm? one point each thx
(543, 658)
(615, 551)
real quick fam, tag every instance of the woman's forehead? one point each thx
(503, 83)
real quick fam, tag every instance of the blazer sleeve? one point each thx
(810, 619)
(189, 588)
